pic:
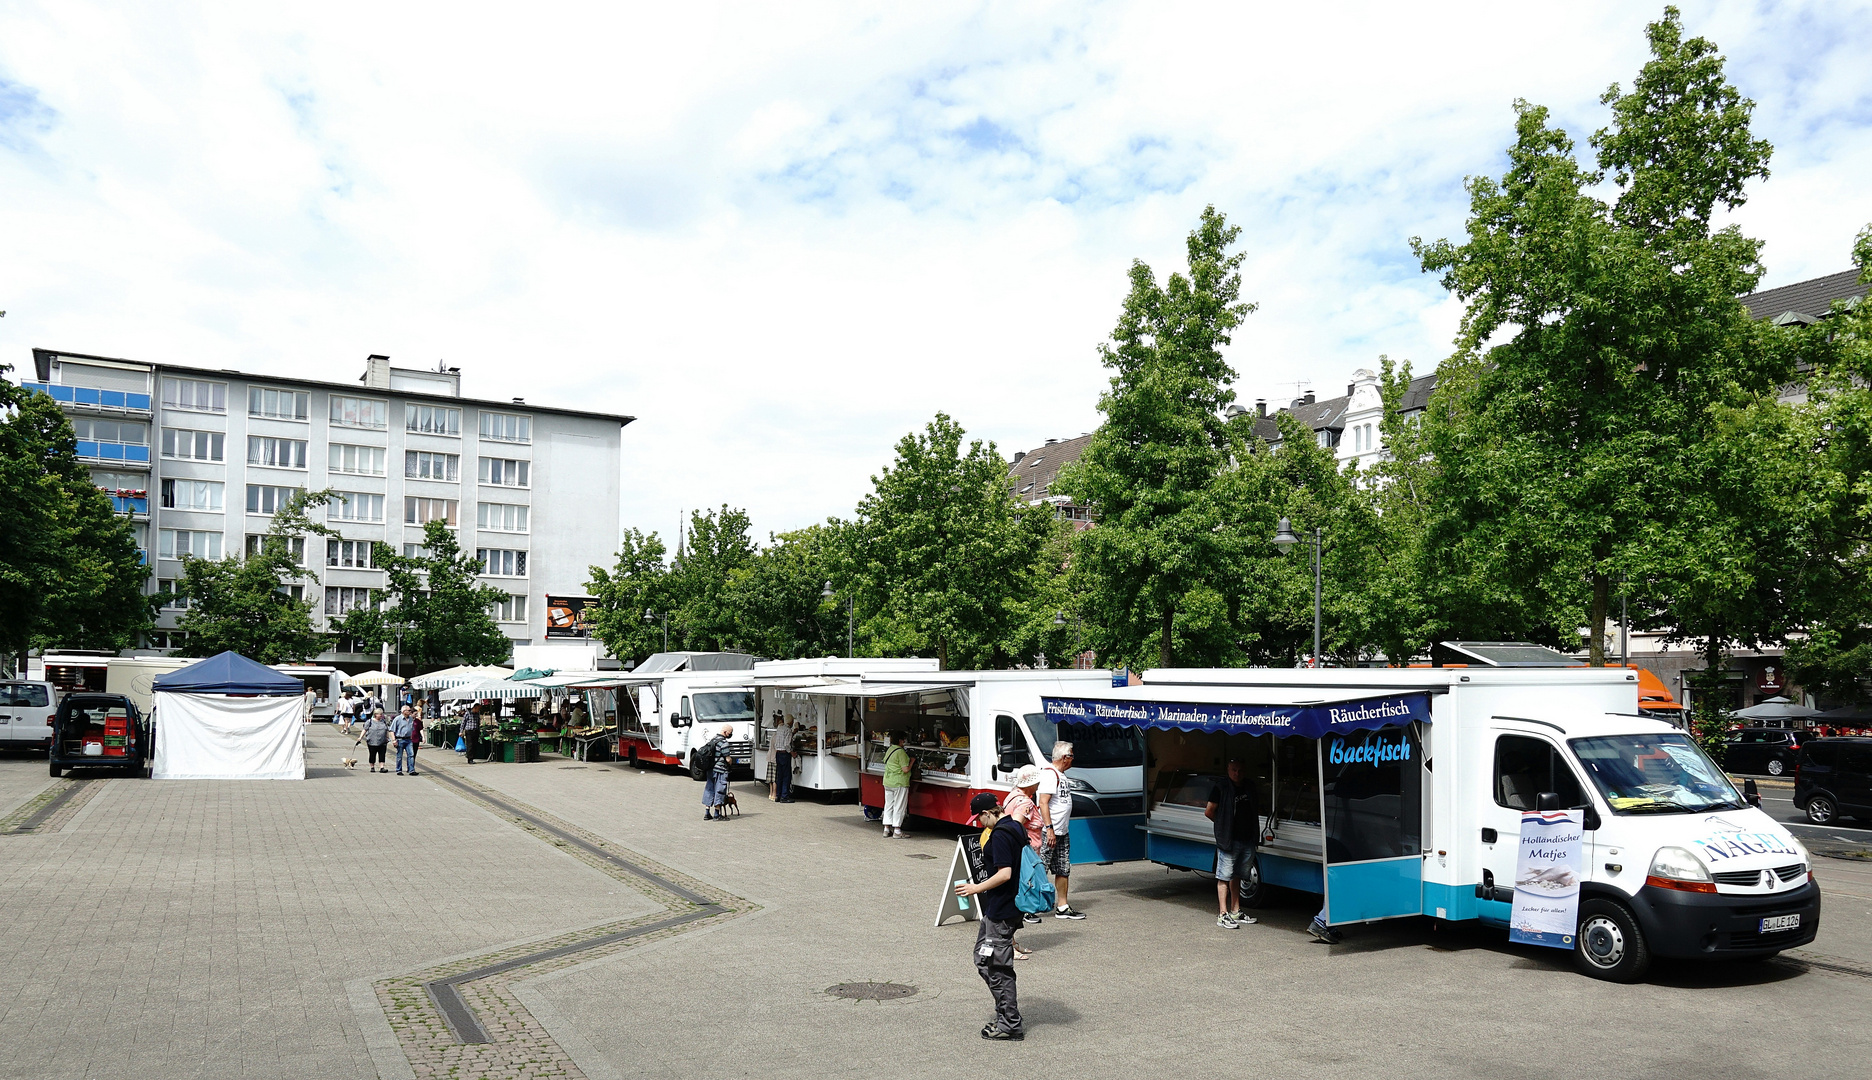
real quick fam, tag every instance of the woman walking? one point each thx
(376, 737)
(471, 733)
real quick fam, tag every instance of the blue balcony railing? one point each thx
(113, 451)
(85, 395)
(128, 505)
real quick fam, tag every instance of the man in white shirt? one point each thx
(1055, 799)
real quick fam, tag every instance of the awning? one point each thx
(495, 689)
(1309, 719)
(865, 690)
(458, 676)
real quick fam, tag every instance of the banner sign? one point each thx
(1547, 879)
(566, 616)
(1306, 721)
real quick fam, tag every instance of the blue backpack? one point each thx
(1036, 890)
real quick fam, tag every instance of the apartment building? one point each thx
(200, 459)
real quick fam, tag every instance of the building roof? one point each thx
(1329, 414)
(1032, 473)
(1812, 298)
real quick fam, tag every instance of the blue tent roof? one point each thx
(228, 673)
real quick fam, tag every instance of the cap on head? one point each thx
(982, 803)
(1028, 776)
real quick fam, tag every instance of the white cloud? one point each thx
(784, 235)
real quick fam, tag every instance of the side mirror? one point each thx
(1548, 800)
(1751, 793)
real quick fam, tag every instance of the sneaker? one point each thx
(1243, 918)
(707, 816)
(1067, 913)
(1031, 918)
(1226, 922)
(1322, 932)
(1001, 1034)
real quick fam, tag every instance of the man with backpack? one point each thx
(1003, 841)
(713, 761)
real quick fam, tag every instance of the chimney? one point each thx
(1348, 389)
(376, 372)
(1018, 454)
(1307, 399)
(1261, 408)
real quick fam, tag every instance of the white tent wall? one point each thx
(218, 737)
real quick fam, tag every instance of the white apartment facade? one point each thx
(201, 458)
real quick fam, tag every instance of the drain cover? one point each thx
(871, 991)
(919, 855)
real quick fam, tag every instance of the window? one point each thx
(278, 404)
(422, 465)
(512, 609)
(357, 460)
(194, 395)
(193, 445)
(175, 602)
(1526, 767)
(295, 593)
(191, 494)
(358, 412)
(178, 543)
(415, 551)
(355, 506)
(342, 600)
(267, 499)
(506, 427)
(501, 562)
(110, 431)
(504, 471)
(168, 639)
(121, 481)
(419, 511)
(356, 554)
(295, 546)
(278, 453)
(433, 419)
(501, 517)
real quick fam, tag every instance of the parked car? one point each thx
(26, 709)
(1834, 779)
(100, 731)
(1762, 750)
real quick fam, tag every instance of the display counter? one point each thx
(1180, 834)
(935, 762)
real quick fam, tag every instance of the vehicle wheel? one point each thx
(1776, 767)
(1820, 809)
(57, 770)
(1609, 944)
(1253, 893)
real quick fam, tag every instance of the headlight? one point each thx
(1075, 784)
(1677, 868)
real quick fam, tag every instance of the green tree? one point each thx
(435, 598)
(717, 547)
(1158, 551)
(777, 598)
(245, 603)
(941, 555)
(1600, 349)
(638, 582)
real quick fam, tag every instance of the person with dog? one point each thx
(1237, 835)
(897, 768)
(376, 737)
(1002, 840)
(715, 791)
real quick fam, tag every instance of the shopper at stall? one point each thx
(715, 791)
(785, 741)
(897, 766)
(1055, 799)
(375, 737)
(1020, 806)
(1237, 834)
(471, 734)
(401, 729)
(1001, 841)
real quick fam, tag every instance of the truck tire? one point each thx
(1609, 944)
(1253, 892)
(57, 770)
(1820, 809)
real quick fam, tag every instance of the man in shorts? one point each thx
(1237, 834)
(1055, 800)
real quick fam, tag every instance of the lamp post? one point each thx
(1284, 538)
(653, 616)
(850, 620)
(1059, 620)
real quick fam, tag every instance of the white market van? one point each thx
(817, 695)
(673, 702)
(1401, 791)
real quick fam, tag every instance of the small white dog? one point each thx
(350, 762)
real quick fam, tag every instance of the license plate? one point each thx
(1780, 922)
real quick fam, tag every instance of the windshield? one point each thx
(22, 696)
(1663, 773)
(732, 705)
(1095, 746)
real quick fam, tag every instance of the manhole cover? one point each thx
(871, 991)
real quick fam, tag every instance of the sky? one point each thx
(784, 236)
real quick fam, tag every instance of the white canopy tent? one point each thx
(228, 718)
(493, 689)
(449, 678)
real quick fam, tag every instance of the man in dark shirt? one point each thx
(1003, 840)
(1237, 834)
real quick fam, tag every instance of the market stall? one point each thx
(509, 725)
(228, 718)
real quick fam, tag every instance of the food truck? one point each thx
(673, 701)
(817, 695)
(1398, 792)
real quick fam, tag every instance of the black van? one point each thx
(1834, 779)
(100, 731)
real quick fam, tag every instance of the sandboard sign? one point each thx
(1547, 879)
(969, 864)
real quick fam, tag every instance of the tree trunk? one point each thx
(942, 653)
(1596, 620)
(1163, 648)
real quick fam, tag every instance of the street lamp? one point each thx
(1059, 622)
(1284, 538)
(850, 621)
(653, 616)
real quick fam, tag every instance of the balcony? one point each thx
(115, 452)
(87, 397)
(129, 504)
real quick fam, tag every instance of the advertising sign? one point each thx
(566, 616)
(1308, 721)
(1547, 879)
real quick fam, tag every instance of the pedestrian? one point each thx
(1002, 839)
(785, 739)
(1020, 806)
(1237, 820)
(416, 734)
(471, 733)
(402, 729)
(897, 766)
(311, 701)
(715, 791)
(375, 736)
(1055, 799)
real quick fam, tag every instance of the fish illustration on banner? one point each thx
(1547, 879)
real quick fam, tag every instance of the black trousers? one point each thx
(471, 742)
(994, 961)
(377, 753)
